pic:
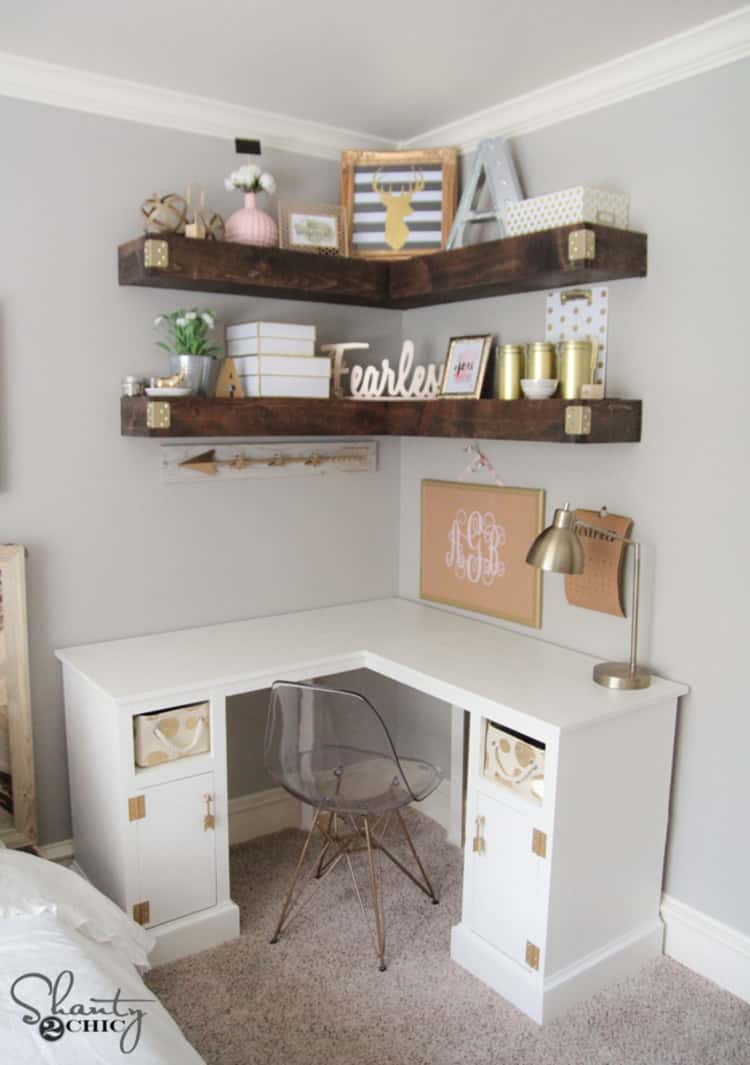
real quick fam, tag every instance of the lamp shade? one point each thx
(557, 548)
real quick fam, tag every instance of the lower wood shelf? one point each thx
(613, 421)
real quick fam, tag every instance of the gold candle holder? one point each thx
(577, 366)
(541, 361)
(510, 364)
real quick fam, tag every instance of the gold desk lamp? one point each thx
(557, 549)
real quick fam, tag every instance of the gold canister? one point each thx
(510, 363)
(541, 361)
(577, 363)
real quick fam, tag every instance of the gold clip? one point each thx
(576, 294)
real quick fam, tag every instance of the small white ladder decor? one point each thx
(493, 166)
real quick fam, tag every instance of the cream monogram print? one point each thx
(473, 554)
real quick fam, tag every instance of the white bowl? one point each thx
(541, 389)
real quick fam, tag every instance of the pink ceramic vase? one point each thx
(250, 225)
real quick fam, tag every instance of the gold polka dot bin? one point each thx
(567, 208)
(580, 314)
(167, 735)
(513, 762)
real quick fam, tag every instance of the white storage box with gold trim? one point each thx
(285, 375)
(167, 735)
(567, 208)
(270, 338)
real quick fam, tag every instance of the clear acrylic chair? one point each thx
(332, 749)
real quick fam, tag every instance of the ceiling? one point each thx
(390, 69)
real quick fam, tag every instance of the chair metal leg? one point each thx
(377, 898)
(295, 875)
(344, 846)
(416, 857)
(326, 845)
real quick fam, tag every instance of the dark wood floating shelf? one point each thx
(552, 259)
(613, 421)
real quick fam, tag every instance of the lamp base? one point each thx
(618, 675)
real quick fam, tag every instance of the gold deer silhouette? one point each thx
(397, 208)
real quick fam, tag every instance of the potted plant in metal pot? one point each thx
(191, 354)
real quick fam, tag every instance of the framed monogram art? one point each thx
(474, 544)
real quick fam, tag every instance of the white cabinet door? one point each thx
(506, 900)
(176, 853)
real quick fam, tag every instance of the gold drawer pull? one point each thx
(209, 821)
(477, 844)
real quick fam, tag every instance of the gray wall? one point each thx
(678, 339)
(113, 551)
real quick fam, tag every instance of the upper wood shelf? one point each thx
(495, 268)
(612, 420)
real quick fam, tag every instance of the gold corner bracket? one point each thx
(155, 254)
(532, 954)
(581, 245)
(158, 415)
(577, 421)
(539, 843)
(142, 912)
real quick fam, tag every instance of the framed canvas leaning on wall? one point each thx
(474, 544)
(17, 803)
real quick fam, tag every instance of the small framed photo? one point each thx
(466, 367)
(314, 227)
(398, 204)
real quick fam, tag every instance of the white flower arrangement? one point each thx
(187, 332)
(251, 178)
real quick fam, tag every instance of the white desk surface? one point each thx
(452, 657)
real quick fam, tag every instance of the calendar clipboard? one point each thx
(599, 587)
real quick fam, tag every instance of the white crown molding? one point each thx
(712, 44)
(99, 94)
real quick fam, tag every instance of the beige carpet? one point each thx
(317, 998)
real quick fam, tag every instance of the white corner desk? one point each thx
(560, 897)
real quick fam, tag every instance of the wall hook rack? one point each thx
(183, 463)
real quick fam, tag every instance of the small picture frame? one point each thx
(465, 367)
(313, 227)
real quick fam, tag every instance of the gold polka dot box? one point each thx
(171, 734)
(567, 208)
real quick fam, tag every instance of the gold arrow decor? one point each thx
(181, 463)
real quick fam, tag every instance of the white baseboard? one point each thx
(198, 931)
(708, 947)
(261, 813)
(57, 852)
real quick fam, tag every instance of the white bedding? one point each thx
(56, 980)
